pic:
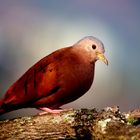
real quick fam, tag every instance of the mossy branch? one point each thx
(106, 124)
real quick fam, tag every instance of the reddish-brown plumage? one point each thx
(57, 79)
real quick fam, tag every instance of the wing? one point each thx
(39, 81)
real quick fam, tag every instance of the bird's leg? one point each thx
(48, 110)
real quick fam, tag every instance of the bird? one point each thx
(57, 79)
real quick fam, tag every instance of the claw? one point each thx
(48, 110)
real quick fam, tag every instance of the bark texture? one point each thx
(107, 124)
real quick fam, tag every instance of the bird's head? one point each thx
(94, 47)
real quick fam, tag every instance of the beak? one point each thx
(102, 57)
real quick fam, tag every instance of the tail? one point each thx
(5, 108)
(2, 110)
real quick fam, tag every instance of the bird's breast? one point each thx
(78, 77)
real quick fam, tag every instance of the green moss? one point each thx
(132, 120)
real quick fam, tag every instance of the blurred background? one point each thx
(30, 30)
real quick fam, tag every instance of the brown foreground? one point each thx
(107, 124)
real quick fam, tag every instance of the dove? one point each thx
(57, 79)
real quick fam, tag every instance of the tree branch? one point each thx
(106, 124)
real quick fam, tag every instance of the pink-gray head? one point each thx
(94, 47)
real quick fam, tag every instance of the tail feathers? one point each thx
(5, 108)
(2, 111)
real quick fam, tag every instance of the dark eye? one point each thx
(93, 46)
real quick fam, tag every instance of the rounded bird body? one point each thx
(57, 79)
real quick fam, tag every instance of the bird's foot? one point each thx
(48, 110)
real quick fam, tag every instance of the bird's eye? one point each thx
(93, 46)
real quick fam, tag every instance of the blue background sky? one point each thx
(30, 30)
